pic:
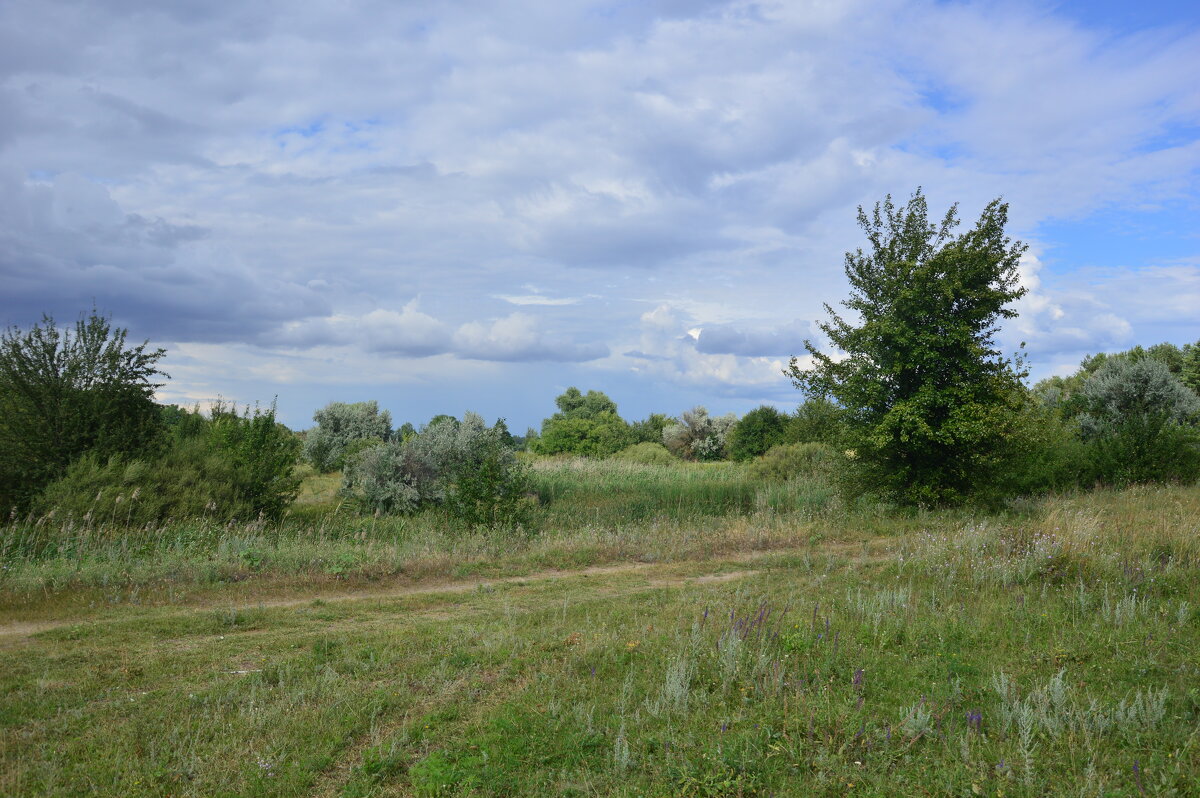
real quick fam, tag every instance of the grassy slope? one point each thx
(1051, 654)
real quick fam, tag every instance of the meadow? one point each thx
(661, 630)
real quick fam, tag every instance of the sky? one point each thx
(451, 206)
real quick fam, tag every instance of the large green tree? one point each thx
(585, 424)
(756, 432)
(69, 391)
(929, 398)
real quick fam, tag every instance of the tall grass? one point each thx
(616, 492)
(589, 512)
(601, 511)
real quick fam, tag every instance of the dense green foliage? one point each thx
(223, 466)
(342, 430)
(650, 429)
(1121, 417)
(1189, 371)
(1183, 363)
(929, 400)
(816, 420)
(756, 432)
(69, 392)
(465, 467)
(585, 424)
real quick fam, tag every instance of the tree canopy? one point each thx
(69, 391)
(585, 424)
(929, 397)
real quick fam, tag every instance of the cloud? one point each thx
(667, 349)
(288, 178)
(67, 244)
(409, 332)
(728, 339)
(517, 338)
(1053, 322)
(536, 299)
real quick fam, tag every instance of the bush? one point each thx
(646, 454)
(1139, 423)
(650, 429)
(756, 432)
(796, 460)
(67, 392)
(1044, 453)
(598, 436)
(465, 467)
(699, 436)
(487, 487)
(224, 467)
(816, 420)
(262, 453)
(341, 430)
(585, 424)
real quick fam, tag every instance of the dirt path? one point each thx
(16, 632)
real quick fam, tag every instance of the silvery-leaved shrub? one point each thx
(386, 479)
(465, 467)
(1140, 423)
(699, 436)
(339, 427)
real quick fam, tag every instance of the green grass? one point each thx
(1054, 651)
(588, 512)
(614, 492)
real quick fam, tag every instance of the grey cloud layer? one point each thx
(290, 175)
(415, 334)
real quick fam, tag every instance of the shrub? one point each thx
(487, 487)
(816, 420)
(599, 436)
(646, 453)
(224, 467)
(340, 427)
(756, 432)
(699, 436)
(262, 453)
(465, 467)
(1044, 453)
(650, 429)
(66, 392)
(793, 460)
(1139, 422)
(585, 424)
(390, 479)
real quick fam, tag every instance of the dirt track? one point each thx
(14, 632)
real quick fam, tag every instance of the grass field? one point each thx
(720, 640)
